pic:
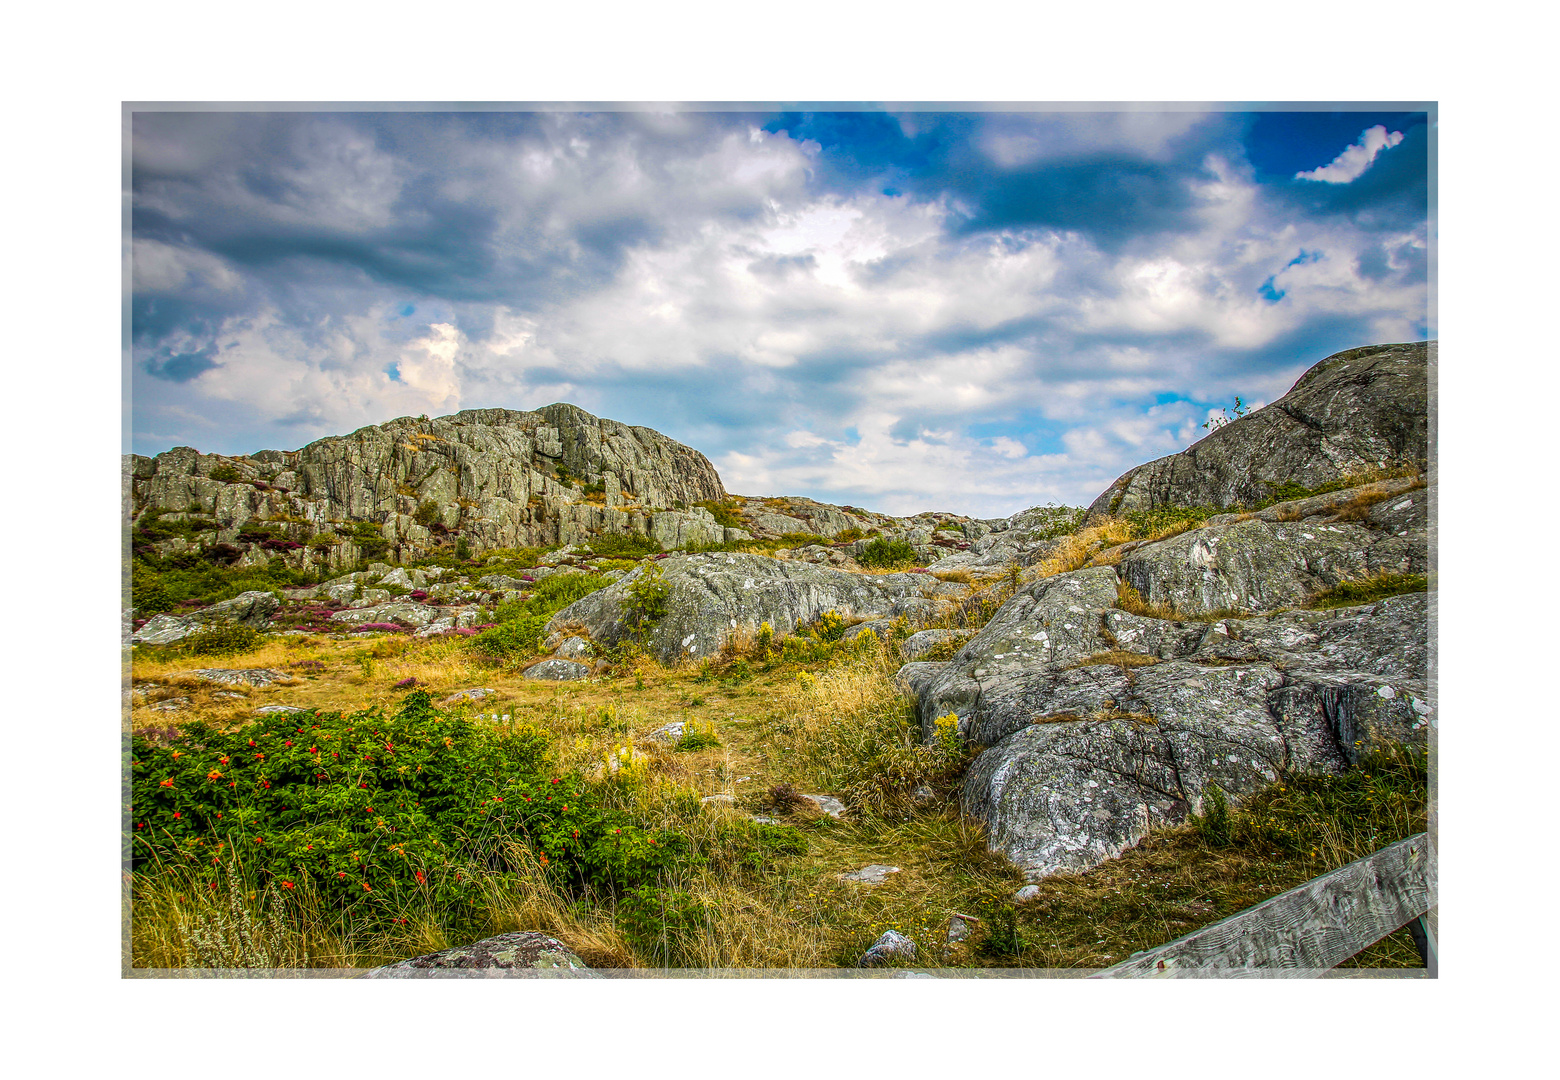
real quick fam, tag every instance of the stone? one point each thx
(474, 694)
(1026, 894)
(556, 670)
(253, 609)
(875, 874)
(268, 710)
(959, 928)
(573, 647)
(713, 597)
(888, 948)
(258, 677)
(726, 800)
(827, 803)
(668, 733)
(923, 641)
(923, 795)
(1357, 410)
(403, 612)
(524, 953)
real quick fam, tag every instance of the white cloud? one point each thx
(1354, 160)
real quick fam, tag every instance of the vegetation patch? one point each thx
(885, 554)
(1368, 590)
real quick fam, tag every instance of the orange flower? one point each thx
(420, 877)
(544, 860)
(213, 775)
(222, 761)
(287, 884)
(167, 783)
(366, 887)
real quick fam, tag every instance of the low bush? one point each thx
(624, 546)
(371, 810)
(697, 737)
(223, 639)
(225, 474)
(1368, 590)
(725, 513)
(884, 554)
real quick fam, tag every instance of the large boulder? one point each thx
(1098, 724)
(404, 612)
(1355, 411)
(1257, 566)
(252, 609)
(715, 596)
(520, 954)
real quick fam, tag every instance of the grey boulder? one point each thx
(520, 954)
(717, 596)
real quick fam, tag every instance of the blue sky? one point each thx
(977, 311)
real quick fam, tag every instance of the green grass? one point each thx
(1368, 590)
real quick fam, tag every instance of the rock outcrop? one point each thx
(1099, 724)
(493, 477)
(520, 954)
(716, 596)
(252, 609)
(1356, 411)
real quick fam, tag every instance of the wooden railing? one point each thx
(1310, 929)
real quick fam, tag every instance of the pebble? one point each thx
(875, 874)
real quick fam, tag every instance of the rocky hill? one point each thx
(1357, 411)
(1130, 667)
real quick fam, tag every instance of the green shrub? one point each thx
(462, 549)
(725, 513)
(427, 513)
(518, 637)
(1213, 824)
(1368, 590)
(371, 810)
(624, 546)
(225, 474)
(646, 600)
(1164, 518)
(830, 626)
(523, 623)
(223, 639)
(697, 737)
(883, 553)
(149, 596)
(371, 544)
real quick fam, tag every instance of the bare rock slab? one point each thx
(891, 946)
(521, 954)
(875, 874)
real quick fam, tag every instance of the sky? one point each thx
(976, 312)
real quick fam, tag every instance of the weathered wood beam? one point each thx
(1305, 931)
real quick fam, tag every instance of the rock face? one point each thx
(1264, 563)
(494, 477)
(525, 953)
(252, 609)
(715, 596)
(1355, 411)
(1100, 724)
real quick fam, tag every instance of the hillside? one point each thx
(1044, 741)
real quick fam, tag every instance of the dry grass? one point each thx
(961, 577)
(819, 727)
(1119, 658)
(1075, 549)
(1128, 599)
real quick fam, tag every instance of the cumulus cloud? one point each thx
(974, 312)
(1356, 158)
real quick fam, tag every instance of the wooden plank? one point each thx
(1304, 931)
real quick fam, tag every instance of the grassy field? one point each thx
(828, 723)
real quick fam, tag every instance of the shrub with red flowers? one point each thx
(380, 628)
(412, 800)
